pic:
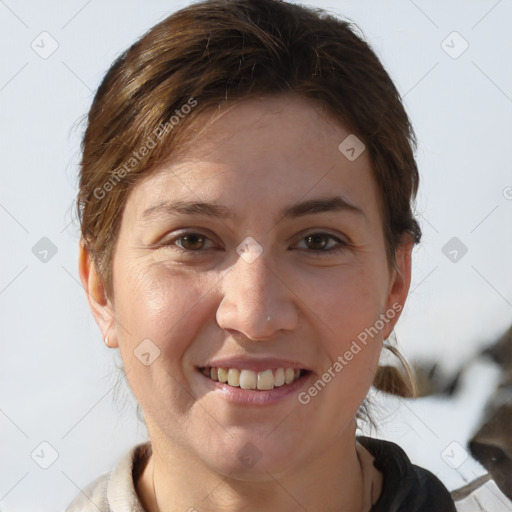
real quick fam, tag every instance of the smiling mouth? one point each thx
(249, 379)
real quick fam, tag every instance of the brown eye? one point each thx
(318, 241)
(322, 243)
(191, 242)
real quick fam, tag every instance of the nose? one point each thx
(253, 292)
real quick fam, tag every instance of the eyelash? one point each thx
(342, 245)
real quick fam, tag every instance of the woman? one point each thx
(245, 206)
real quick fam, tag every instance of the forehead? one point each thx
(269, 127)
(261, 152)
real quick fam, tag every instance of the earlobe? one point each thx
(399, 286)
(100, 304)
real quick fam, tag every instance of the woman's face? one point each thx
(288, 227)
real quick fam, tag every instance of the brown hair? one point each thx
(219, 51)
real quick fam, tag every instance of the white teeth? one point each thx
(249, 379)
(279, 377)
(222, 374)
(266, 380)
(234, 377)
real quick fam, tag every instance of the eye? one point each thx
(189, 241)
(318, 243)
(321, 243)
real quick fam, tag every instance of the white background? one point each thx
(58, 379)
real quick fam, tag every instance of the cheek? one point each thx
(347, 306)
(156, 303)
(346, 300)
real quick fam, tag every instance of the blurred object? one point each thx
(431, 380)
(492, 447)
(501, 351)
(481, 494)
(466, 490)
(492, 443)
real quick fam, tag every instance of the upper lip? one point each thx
(255, 364)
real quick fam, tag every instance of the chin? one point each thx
(254, 457)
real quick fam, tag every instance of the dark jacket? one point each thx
(405, 487)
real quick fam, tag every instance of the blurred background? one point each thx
(64, 416)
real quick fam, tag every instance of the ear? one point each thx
(399, 285)
(99, 303)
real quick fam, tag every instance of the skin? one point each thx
(255, 158)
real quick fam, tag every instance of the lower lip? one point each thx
(250, 397)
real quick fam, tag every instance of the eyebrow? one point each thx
(299, 209)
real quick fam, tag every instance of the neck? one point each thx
(342, 478)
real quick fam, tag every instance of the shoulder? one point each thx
(405, 486)
(114, 491)
(93, 497)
